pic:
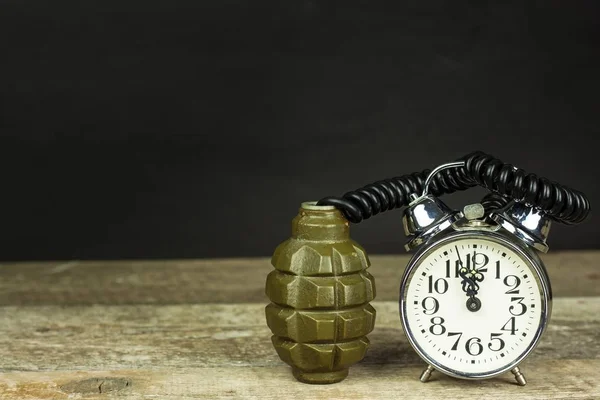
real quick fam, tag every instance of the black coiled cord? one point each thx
(559, 202)
(493, 201)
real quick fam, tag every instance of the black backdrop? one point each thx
(146, 129)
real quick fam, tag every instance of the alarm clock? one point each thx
(475, 297)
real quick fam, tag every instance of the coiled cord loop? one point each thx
(560, 203)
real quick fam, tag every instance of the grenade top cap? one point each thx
(323, 223)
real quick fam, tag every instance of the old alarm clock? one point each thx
(475, 297)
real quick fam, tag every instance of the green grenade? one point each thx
(320, 292)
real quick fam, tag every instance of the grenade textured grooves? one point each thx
(559, 202)
(320, 292)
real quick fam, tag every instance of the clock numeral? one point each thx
(474, 346)
(480, 260)
(519, 301)
(440, 324)
(495, 337)
(457, 340)
(514, 285)
(456, 269)
(440, 285)
(512, 329)
(434, 307)
(472, 261)
(498, 269)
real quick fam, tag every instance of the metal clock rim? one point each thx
(535, 263)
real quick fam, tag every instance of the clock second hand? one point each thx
(473, 303)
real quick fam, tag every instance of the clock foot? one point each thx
(426, 374)
(520, 378)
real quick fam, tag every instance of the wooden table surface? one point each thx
(193, 329)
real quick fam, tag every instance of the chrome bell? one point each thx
(425, 217)
(528, 224)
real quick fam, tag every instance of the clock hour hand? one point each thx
(469, 284)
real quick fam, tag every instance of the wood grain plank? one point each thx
(112, 337)
(573, 379)
(224, 351)
(573, 273)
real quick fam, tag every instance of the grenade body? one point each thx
(320, 293)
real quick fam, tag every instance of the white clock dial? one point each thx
(473, 344)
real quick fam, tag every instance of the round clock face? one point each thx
(468, 334)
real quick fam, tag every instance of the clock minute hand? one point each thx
(469, 285)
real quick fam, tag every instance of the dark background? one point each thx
(146, 129)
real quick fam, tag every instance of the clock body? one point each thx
(513, 291)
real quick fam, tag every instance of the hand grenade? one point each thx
(320, 293)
